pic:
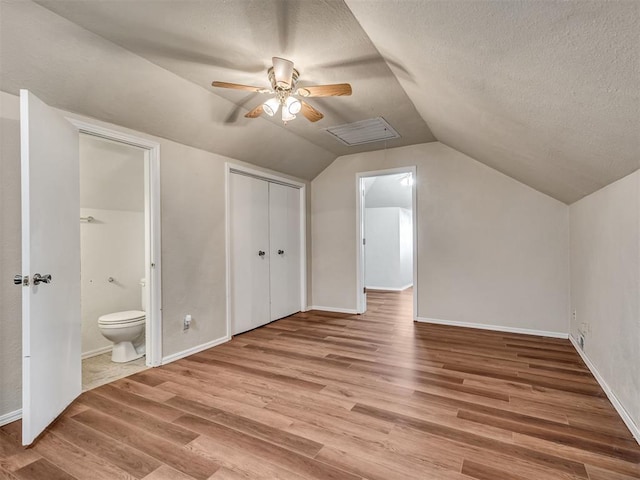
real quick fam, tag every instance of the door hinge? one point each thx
(364, 241)
(364, 290)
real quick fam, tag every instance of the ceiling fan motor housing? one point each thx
(282, 92)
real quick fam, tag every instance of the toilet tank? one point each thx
(143, 294)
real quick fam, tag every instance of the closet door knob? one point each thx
(280, 252)
(260, 253)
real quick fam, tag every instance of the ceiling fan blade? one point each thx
(335, 90)
(310, 113)
(283, 71)
(255, 113)
(237, 86)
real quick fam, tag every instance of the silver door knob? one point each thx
(280, 252)
(261, 253)
(38, 279)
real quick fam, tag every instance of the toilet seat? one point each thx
(115, 326)
(126, 318)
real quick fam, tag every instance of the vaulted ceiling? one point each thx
(545, 92)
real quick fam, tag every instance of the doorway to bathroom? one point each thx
(386, 225)
(116, 267)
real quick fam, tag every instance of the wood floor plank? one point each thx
(19, 460)
(267, 417)
(137, 418)
(164, 472)
(156, 447)
(132, 400)
(428, 446)
(276, 436)
(42, 469)
(280, 456)
(8, 446)
(242, 462)
(579, 455)
(596, 473)
(226, 474)
(6, 475)
(383, 468)
(547, 460)
(78, 462)
(596, 443)
(136, 463)
(484, 472)
(326, 395)
(151, 393)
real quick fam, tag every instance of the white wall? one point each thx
(193, 246)
(387, 265)
(111, 246)
(605, 285)
(491, 250)
(405, 221)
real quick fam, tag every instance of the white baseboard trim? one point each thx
(10, 417)
(335, 310)
(497, 328)
(190, 351)
(96, 352)
(624, 414)
(390, 289)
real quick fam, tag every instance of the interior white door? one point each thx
(284, 233)
(362, 294)
(51, 326)
(249, 223)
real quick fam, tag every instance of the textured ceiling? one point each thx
(546, 92)
(543, 91)
(197, 42)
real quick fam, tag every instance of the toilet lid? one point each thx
(122, 317)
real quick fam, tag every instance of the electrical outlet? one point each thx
(187, 322)
(574, 315)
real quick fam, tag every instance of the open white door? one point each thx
(362, 247)
(51, 364)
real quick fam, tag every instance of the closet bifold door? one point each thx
(249, 222)
(284, 240)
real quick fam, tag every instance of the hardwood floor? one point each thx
(329, 396)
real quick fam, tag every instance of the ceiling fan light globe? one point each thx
(271, 106)
(293, 105)
(287, 116)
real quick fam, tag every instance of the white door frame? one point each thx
(302, 188)
(152, 231)
(361, 299)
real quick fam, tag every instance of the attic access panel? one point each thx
(364, 131)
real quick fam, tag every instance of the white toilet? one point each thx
(126, 331)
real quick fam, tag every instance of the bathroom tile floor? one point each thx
(98, 370)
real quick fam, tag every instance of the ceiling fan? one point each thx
(283, 78)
